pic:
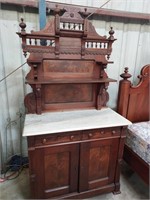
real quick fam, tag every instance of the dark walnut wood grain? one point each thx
(68, 60)
(134, 104)
(76, 164)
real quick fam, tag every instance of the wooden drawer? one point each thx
(58, 138)
(100, 133)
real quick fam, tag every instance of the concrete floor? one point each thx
(132, 187)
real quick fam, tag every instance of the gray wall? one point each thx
(130, 50)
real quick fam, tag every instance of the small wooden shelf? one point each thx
(68, 81)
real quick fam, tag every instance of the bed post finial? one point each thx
(125, 75)
(123, 95)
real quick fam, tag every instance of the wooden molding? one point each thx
(28, 3)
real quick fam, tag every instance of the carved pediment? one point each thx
(49, 29)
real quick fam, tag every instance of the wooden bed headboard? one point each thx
(133, 101)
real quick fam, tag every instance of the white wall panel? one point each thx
(131, 49)
(142, 6)
(13, 88)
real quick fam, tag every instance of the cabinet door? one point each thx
(98, 161)
(56, 170)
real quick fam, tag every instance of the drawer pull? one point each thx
(113, 132)
(72, 137)
(102, 132)
(44, 141)
(90, 134)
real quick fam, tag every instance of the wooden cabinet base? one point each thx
(90, 193)
(76, 164)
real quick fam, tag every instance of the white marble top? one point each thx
(55, 122)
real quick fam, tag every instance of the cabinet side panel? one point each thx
(36, 172)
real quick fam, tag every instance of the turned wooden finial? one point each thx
(22, 25)
(111, 33)
(57, 10)
(85, 13)
(125, 75)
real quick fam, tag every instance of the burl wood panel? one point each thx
(97, 163)
(57, 170)
(67, 96)
(65, 69)
(68, 93)
(60, 169)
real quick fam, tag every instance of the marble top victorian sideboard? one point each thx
(75, 142)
